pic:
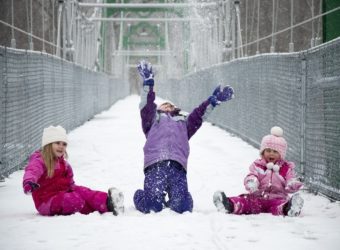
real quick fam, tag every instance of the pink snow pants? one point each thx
(81, 199)
(250, 204)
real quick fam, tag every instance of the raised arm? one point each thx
(195, 118)
(147, 105)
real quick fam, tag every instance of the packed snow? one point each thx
(108, 151)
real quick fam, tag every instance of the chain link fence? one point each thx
(298, 91)
(38, 90)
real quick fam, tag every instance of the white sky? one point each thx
(108, 151)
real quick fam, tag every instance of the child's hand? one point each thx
(252, 185)
(29, 187)
(218, 96)
(293, 186)
(145, 70)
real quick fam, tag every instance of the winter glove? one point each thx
(145, 70)
(29, 187)
(293, 185)
(218, 96)
(252, 185)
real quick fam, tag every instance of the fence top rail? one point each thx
(147, 5)
(290, 27)
(30, 34)
(106, 19)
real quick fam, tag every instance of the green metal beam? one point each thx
(155, 39)
(331, 22)
(139, 11)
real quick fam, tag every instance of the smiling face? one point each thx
(167, 107)
(271, 155)
(59, 148)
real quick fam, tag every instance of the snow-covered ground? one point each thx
(107, 151)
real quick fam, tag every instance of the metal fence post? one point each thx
(3, 69)
(303, 114)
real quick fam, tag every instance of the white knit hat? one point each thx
(53, 134)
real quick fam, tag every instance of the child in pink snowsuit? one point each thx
(49, 178)
(270, 181)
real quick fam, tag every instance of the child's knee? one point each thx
(181, 204)
(73, 203)
(145, 202)
(66, 204)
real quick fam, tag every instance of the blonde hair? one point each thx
(49, 159)
(167, 103)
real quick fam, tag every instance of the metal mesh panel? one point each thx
(299, 92)
(2, 108)
(267, 93)
(38, 90)
(323, 119)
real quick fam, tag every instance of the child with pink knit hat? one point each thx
(270, 181)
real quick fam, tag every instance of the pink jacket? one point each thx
(61, 181)
(273, 184)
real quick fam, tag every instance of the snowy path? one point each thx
(107, 151)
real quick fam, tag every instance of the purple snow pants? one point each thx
(166, 177)
(81, 199)
(250, 204)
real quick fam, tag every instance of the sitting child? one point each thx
(269, 182)
(49, 178)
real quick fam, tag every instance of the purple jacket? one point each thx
(274, 184)
(168, 134)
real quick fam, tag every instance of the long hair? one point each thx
(49, 159)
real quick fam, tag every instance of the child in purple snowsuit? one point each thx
(166, 149)
(49, 178)
(270, 181)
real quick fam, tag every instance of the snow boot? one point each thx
(115, 201)
(293, 206)
(223, 203)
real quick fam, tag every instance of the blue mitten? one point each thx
(145, 70)
(226, 94)
(218, 96)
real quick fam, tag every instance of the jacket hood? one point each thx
(36, 155)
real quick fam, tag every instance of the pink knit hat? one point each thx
(275, 141)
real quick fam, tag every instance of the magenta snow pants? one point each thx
(80, 199)
(250, 204)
